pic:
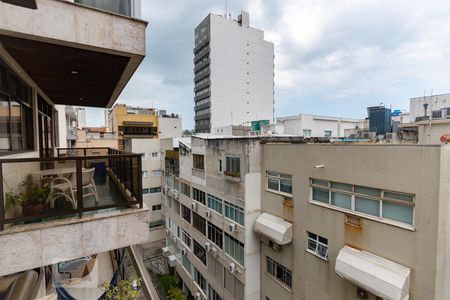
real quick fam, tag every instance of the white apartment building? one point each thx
(212, 199)
(234, 72)
(307, 125)
(437, 106)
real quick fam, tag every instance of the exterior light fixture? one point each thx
(319, 166)
(73, 72)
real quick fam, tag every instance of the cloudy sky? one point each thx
(331, 57)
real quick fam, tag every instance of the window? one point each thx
(199, 196)
(365, 201)
(279, 182)
(219, 167)
(234, 248)
(145, 191)
(198, 161)
(186, 213)
(154, 154)
(155, 190)
(200, 280)
(16, 132)
(282, 274)
(144, 174)
(176, 184)
(212, 294)
(186, 264)
(306, 132)
(318, 245)
(327, 133)
(156, 207)
(156, 173)
(200, 252)
(215, 203)
(176, 206)
(215, 235)
(233, 166)
(234, 212)
(186, 238)
(186, 189)
(199, 223)
(156, 224)
(234, 286)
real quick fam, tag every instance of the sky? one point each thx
(331, 57)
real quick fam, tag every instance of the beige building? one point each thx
(211, 203)
(348, 221)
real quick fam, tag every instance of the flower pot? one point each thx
(32, 210)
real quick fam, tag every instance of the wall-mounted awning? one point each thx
(275, 228)
(379, 276)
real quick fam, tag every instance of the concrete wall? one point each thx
(52, 242)
(430, 133)
(170, 128)
(242, 71)
(436, 102)
(412, 169)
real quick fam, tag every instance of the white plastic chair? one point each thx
(67, 187)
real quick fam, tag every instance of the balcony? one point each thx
(81, 202)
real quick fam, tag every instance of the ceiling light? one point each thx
(81, 98)
(73, 72)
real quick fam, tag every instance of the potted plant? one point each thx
(32, 199)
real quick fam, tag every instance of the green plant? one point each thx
(176, 294)
(167, 281)
(126, 289)
(232, 174)
(33, 194)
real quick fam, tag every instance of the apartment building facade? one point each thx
(211, 203)
(354, 221)
(233, 73)
(48, 57)
(132, 122)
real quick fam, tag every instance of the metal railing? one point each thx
(71, 168)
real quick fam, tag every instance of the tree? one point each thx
(176, 294)
(126, 289)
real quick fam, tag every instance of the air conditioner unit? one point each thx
(231, 227)
(232, 268)
(198, 296)
(207, 246)
(176, 195)
(208, 214)
(194, 206)
(184, 251)
(166, 251)
(214, 252)
(172, 260)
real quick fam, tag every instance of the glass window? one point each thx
(318, 245)
(200, 280)
(342, 186)
(341, 200)
(320, 195)
(186, 238)
(397, 196)
(397, 212)
(215, 235)
(279, 182)
(215, 203)
(234, 212)
(200, 252)
(199, 223)
(199, 196)
(281, 273)
(367, 206)
(156, 207)
(367, 191)
(234, 248)
(186, 213)
(233, 166)
(186, 264)
(186, 189)
(198, 161)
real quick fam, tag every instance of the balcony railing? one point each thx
(75, 182)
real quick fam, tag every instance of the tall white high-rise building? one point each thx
(234, 73)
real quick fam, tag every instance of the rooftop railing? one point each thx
(77, 181)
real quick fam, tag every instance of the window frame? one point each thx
(278, 178)
(230, 161)
(318, 243)
(198, 160)
(354, 195)
(235, 207)
(271, 264)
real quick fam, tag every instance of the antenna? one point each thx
(226, 8)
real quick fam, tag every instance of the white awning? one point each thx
(275, 228)
(379, 276)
